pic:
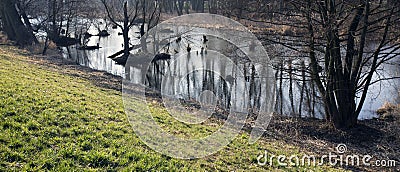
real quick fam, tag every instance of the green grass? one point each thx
(52, 121)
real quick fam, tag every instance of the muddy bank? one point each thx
(64, 66)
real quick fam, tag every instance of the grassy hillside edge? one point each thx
(53, 119)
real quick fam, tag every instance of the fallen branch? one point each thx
(122, 52)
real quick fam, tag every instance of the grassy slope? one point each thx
(53, 121)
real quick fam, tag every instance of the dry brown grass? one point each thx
(389, 111)
(38, 48)
(3, 38)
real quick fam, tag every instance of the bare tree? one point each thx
(179, 6)
(127, 15)
(345, 42)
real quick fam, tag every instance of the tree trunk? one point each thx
(291, 98)
(125, 31)
(303, 86)
(53, 34)
(6, 26)
(179, 7)
(280, 90)
(13, 26)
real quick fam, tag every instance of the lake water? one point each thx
(98, 59)
(385, 91)
(192, 76)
